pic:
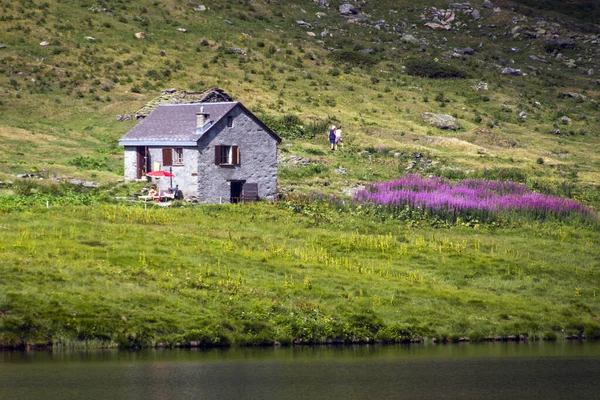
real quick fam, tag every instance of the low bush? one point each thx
(354, 58)
(434, 70)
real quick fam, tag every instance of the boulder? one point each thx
(90, 38)
(590, 72)
(511, 71)
(2, 46)
(460, 6)
(437, 27)
(303, 24)
(538, 59)
(487, 4)
(562, 43)
(441, 121)
(200, 8)
(368, 51)
(44, 43)
(324, 34)
(476, 15)
(565, 120)
(182, 30)
(410, 39)
(311, 34)
(348, 9)
(140, 35)
(466, 51)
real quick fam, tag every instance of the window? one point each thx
(172, 156)
(167, 157)
(227, 155)
(178, 156)
(229, 122)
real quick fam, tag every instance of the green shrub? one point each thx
(354, 58)
(434, 70)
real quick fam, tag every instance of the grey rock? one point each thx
(466, 51)
(590, 72)
(237, 50)
(200, 8)
(90, 38)
(125, 117)
(325, 33)
(460, 6)
(538, 59)
(410, 39)
(441, 121)
(303, 24)
(348, 9)
(562, 43)
(565, 120)
(182, 30)
(476, 15)
(523, 114)
(511, 71)
(574, 95)
(487, 4)
(368, 51)
(45, 43)
(341, 171)
(228, 22)
(2, 46)
(322, 3)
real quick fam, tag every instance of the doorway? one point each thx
(143, 161)
(236, 191)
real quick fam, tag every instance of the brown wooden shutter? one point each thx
(217, 155)
(235, 155)
(167, 157)
(250, 192)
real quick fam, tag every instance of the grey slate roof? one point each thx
(176, 122)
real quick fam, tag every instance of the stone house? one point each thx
(219, 152)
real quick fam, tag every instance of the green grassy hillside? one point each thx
(300, 67)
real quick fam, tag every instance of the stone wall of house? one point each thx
(185, 175)
(130, 163)
(258, 159)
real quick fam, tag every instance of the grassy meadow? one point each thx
(287, 272)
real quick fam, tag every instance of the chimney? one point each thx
(201, 120)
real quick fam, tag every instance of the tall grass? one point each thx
(221, 275)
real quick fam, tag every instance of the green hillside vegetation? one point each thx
(216, 275)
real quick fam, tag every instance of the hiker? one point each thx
(338, 137)
(332, 137)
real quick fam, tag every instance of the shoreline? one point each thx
(79, 345)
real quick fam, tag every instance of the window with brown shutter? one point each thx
(235, 155)
(218, 155)
(167, 157)
(227, 155)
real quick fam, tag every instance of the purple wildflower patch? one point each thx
(475, 198)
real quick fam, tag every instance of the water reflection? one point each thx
(469, 371)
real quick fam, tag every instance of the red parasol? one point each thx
(159, 173)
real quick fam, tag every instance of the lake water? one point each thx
(564, 370)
